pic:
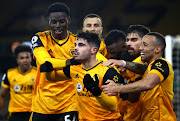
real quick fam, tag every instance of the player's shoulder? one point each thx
(160, 62)
(12, 69)
(71, 34)
(34, 68)
(43, 34)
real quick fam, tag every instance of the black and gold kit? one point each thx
(156, 103)
(88, 106)
(21, 86)
(131, 111)
(50, 97)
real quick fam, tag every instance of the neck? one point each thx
(90, 62)
(24, 70)
(155, 58)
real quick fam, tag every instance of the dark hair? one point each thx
(160, 39)
(58, 7)
(141, 30)
(90, 36)
(114, 36)
(22, 48)
(92, 15)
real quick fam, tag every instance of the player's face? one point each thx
(58, 22)
(148, 48)
(82, 50)
(24, 60)
(93, 24)
(115, 50)
(133, 42)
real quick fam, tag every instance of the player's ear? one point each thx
(69, 20)
(158, 49)
(94, 50)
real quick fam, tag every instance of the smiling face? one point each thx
(58, 22)
(24, 60)
(93, 24)
(148, 48)
(133, 42)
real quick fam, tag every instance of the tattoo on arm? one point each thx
(138, 68)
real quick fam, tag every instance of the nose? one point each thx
(141, 48)
(128, 43)
(92, 28)
(58, 24)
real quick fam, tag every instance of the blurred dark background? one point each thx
(21, 19)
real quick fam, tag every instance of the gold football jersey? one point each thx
(50, 97)
(21, 87)
(156, 103)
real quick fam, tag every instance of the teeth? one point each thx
(142, 53)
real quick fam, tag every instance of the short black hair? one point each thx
(160, 39)
(22, 48)
(90, 36)
(58, 7)
(141, 30)
(114, 36)
(92, 15)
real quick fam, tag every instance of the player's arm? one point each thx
(153, 78)
(4, 90)
(42, 55)
(55, 75)
(138, 68)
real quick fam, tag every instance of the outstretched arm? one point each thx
(138, 68)
(148, 83)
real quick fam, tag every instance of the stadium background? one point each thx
(21, 19)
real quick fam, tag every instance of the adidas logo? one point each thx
(76, 76)
(50, 51)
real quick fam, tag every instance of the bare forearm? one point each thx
(132, 87)
(138, 68)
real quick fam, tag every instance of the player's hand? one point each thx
(113, 62)
(92, 85)
(111, 88)
(46, 67)
(72, 62)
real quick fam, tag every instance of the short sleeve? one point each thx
(36, 42)
(112, 74)
(5, 81)
(162, 67)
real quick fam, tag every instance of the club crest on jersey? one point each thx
(78, 87)
(16, 88)
(72, 52)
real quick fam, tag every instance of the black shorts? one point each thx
(19, 116)
(68, 116)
